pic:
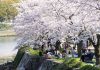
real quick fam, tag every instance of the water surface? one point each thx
(7, 45)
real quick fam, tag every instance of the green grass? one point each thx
(72, 63)
(61, 60)
(33, 52)
(89, 67)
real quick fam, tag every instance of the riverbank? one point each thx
(5, 59)
(7, 33)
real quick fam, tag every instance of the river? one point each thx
(7, 45)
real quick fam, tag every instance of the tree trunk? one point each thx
(97, 50)
(79, 48)
(97, 55)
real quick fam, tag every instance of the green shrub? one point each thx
(89, 67)
(61, 67)
(4, 26)
(7, 10)
(68, 64)
(74, 63)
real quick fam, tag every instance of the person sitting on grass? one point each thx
(83, 55)
(90, 55)
(48, 54)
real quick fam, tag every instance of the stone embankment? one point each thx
(29, 62)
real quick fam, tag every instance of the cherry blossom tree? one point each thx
(32, 25)
(40, 21)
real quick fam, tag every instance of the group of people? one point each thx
(87, 55)
(53, 53)
(62, 52)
